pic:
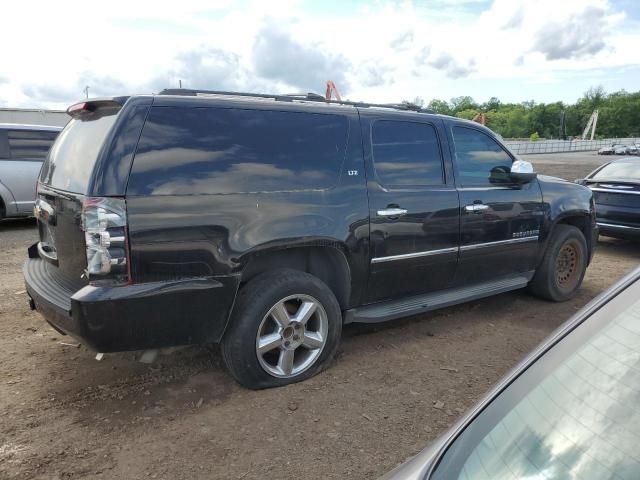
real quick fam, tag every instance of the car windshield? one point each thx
(572, 415)
(624, 170)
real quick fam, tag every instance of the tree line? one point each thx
(618, 115)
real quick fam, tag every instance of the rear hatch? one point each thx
(63, 184)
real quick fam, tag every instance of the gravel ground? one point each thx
(64, 415)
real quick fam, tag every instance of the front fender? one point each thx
(567, 203)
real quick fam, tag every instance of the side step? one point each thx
(392, 309)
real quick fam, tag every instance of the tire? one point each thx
(563, 266)
(267, 308)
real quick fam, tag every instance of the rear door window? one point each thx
(406, 153)
(74, 154)
(185, 151)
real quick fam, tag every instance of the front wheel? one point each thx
(285, 328)
(563, 266)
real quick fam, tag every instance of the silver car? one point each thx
(22, 150)
(568, 411)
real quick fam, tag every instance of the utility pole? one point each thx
(86, 91)
(180, 83)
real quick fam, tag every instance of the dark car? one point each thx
(266, 222)
(616, 188)
(568, 411)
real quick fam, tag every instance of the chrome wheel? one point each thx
(291, 336)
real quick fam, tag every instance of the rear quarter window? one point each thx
(185, 151)
(30, 144)
(26, 144)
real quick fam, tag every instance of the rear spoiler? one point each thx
(92, 106)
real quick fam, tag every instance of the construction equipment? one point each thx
(480, 118)
(331, 89)
(591, 125)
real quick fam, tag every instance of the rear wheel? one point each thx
(285, 328)
(563, 266)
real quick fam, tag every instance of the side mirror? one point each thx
(522, 171)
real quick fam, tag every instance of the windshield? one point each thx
(624, 170)
(572, 415)
(73, 155)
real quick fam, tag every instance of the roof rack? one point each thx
(303, 97)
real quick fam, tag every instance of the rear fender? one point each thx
(6, 197)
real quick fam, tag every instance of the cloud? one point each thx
(581, 35)
(402, 41)
(99, 86)
(3, 80)
(451, 67)
(277, 56)
(375, 51)
(423, 55)
(516, 19)
(374, 74)
(203, 68)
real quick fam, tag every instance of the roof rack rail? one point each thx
(308, 97)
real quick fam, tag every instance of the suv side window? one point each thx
(480, 159)
(213, 150)
(406, 153)
(30, 144)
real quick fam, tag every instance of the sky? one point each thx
(377, 51)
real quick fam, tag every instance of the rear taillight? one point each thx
(104, 221)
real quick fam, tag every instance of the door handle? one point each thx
(476, 208)
(392, 212)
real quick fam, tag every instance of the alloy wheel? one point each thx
(291, 336)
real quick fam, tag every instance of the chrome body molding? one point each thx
(611, 190)
(613, 225)
(475, 246)
(405, 256)
(463, 248)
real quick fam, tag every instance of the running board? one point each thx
(392, 309)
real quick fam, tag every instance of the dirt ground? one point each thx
(64, 415)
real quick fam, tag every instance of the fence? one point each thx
(527, 147)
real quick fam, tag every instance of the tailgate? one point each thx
(63, 183)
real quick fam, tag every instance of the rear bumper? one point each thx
(132, 317)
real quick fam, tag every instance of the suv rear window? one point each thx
(74, 153)
(186, 151)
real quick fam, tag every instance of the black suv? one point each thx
(267, 222)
